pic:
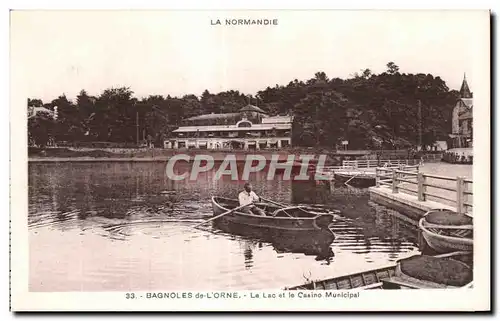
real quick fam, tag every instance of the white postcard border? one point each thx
(423, 300)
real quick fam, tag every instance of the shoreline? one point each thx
(95, 159)
(68, 154)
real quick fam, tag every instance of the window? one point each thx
(244, 123)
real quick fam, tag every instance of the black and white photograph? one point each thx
(250, 160)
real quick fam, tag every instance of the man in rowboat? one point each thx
(247, 197)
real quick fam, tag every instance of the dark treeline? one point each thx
(368, 110)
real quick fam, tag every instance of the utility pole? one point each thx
(137, 127)
(420, 123)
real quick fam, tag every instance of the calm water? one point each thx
(126, 226)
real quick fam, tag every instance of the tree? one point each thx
(86, 108)
(35, 102)
(366, 73)
(392, 68)
(321, 76)
(40, 129)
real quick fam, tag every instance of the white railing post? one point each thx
(394, 181)
(421, 186)
(460, 195)
(356, 163)
(377, 178)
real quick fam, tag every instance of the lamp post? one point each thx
(56, 115)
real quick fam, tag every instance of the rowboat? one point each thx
(446, 231)
(371, 279)
(292, 218)
(355, 179)
(415, 272)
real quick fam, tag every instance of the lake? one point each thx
(108, 226)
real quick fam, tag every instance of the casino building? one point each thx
(250, 128)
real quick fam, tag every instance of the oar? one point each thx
(273, 202)
(347, 183)
(283, 205)
(220, 215)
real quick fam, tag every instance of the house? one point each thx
(461, 131)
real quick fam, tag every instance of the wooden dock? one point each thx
(414, 193)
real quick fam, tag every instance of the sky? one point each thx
(182, 52)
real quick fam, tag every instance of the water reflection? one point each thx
(248, 253)
(316, 244)
(376, 231)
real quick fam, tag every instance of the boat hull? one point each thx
(444, 243)
(301, 224)
(371, 279)
(356, 181)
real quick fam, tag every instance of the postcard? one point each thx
(257, 160)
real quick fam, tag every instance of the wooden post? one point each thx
(460, 195)
(394, 181)
(421, 186)
(377, 183)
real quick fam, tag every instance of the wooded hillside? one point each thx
(368, 110)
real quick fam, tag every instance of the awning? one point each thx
(459, 135)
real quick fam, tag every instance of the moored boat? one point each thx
(355, 179)
(293, 218)
(431, 272)
(446, 231)
(370, 279)
(415, 272)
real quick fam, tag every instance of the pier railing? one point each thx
(433, 157)
(372, 163)
(454, 191)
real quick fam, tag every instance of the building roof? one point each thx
(277, 120)
(213, 116)
(226, 128)
(468, 102)
(253, 108)
(464, 89)
(32, 111)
